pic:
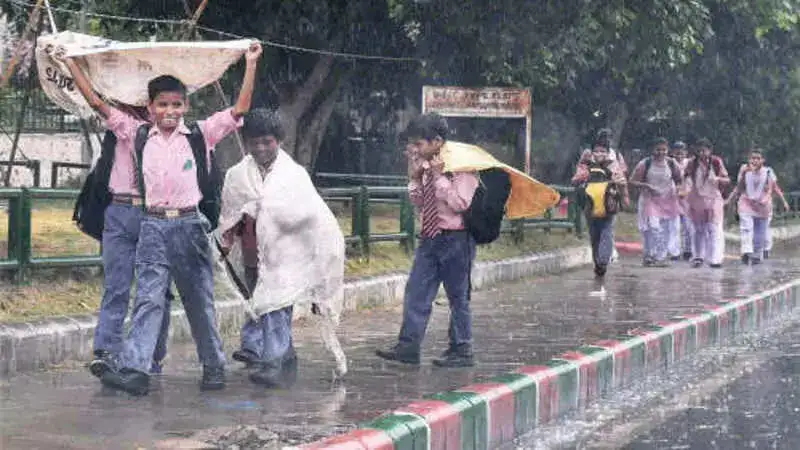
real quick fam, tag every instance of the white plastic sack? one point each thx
(120, 71)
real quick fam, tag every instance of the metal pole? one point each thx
(15, 144)
(53, 27)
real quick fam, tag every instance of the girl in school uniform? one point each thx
(754, 188)
(705, 177)
(658, 176)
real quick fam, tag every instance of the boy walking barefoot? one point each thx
(173, 241)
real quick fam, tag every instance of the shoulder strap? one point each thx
(142, 133)
(647, 163)
(198, 144)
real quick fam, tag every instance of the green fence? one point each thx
(20, 258)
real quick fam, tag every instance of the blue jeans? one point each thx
(270, 337)
(446, 259)
(120, 236)
(177, 248)
(601, 235)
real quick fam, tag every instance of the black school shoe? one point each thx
(102, 363)
(213, 379)
(459, 356)
(400, 353)
(715, 266)
(600, 270)
(127, 380)
(248, 357)
(746, 259)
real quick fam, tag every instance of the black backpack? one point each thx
(484, 217)
(94, 198)
(209, 177)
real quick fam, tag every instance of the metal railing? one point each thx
(56, 165)
(21, 259)
(34, 165)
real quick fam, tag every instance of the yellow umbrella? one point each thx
(529, 197)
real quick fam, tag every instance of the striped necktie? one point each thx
(430, 214)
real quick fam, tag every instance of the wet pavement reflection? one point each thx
(518, 323)
(761, 410)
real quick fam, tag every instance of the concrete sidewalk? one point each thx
(520, 323)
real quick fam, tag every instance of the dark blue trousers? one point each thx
(446, 259)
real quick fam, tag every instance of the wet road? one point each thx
(520, 323)
(760, 410)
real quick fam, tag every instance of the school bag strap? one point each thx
(90, 206)
(209, 179)
(675, 171)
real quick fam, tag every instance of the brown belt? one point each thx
(171, 213)
(126, 200)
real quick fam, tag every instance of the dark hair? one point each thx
(704, 142)
(603, 138)
(756, 151)
(165, 83)
(658, 141)
(678, 145)
(695, 164)
(263, 122)
(429, 127)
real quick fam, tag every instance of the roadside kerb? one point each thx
(491, 414)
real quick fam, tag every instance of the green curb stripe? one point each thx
(474, 412)
(407, 431)
(605, 360)
(526, 399)
(666, 348)
(569, 382)
(638, 348)
(684, 337)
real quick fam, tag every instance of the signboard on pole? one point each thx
(490, 102)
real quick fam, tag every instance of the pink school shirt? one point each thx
(453, 196)
(168, 166)
(706, 204)
(663, 203)
(756, 190)
(123, 171)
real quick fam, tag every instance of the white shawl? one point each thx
(301, 249)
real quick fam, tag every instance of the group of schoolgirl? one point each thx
(681, 204)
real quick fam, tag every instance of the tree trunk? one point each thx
(618, 115)
(306, 110)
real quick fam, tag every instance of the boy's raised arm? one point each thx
(242, 106)
(85, 88)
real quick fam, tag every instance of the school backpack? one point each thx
(716, 165)
(484, 216)
(673, 167)
(600, 197)
(90, 206)
(209, 175)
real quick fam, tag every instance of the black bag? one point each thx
(94, 198)
(484, 217)
(209, 176)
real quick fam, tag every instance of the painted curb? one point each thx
(491, 414)
(44, 343)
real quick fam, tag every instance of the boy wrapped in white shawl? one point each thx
(301, 249)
